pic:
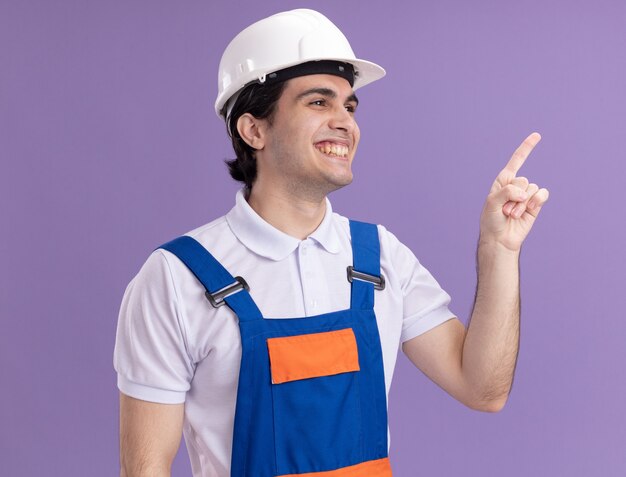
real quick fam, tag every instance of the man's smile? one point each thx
(332, 148)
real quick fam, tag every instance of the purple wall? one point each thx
(109, 147)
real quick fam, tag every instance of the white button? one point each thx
(303, 250)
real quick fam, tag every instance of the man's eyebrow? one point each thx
(329, 93)
(353, 98)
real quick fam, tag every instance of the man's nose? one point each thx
(342, 119)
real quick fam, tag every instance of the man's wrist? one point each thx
(493, 248)
(495, 258)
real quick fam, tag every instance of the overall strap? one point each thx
(365, 273)
(215, 278)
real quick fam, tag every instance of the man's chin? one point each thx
(340, 183)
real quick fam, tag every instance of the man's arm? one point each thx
(476, 365)
(150, 435)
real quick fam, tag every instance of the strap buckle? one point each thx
(217, 299)
(378, 281)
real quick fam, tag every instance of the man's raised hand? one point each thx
(513, 202)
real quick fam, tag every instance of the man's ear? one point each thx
(251, 130)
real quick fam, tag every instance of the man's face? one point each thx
(313, 137)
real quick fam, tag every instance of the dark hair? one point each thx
(260, 101)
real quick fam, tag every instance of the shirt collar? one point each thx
(265, 240)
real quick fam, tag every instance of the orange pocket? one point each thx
(313, 355)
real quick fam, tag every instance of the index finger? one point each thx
(519, 156)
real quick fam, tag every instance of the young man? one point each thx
(291, 377)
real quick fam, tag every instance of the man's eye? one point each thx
(319, 102)
(350, 108)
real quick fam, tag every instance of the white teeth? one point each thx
(333, 149)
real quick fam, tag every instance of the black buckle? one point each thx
(379, 282)
(217, 298)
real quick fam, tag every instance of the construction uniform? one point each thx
(298, 368)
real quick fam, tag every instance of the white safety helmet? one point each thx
(281, 41)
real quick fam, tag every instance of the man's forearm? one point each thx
(492, 341)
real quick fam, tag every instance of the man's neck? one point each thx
(295, 216)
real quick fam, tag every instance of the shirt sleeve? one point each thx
(151, 355)
(425, 303)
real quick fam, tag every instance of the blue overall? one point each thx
(331, 425)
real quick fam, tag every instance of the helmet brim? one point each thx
(366, 72)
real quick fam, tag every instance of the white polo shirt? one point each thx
(172, 346)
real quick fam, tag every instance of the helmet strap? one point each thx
(328, 67)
